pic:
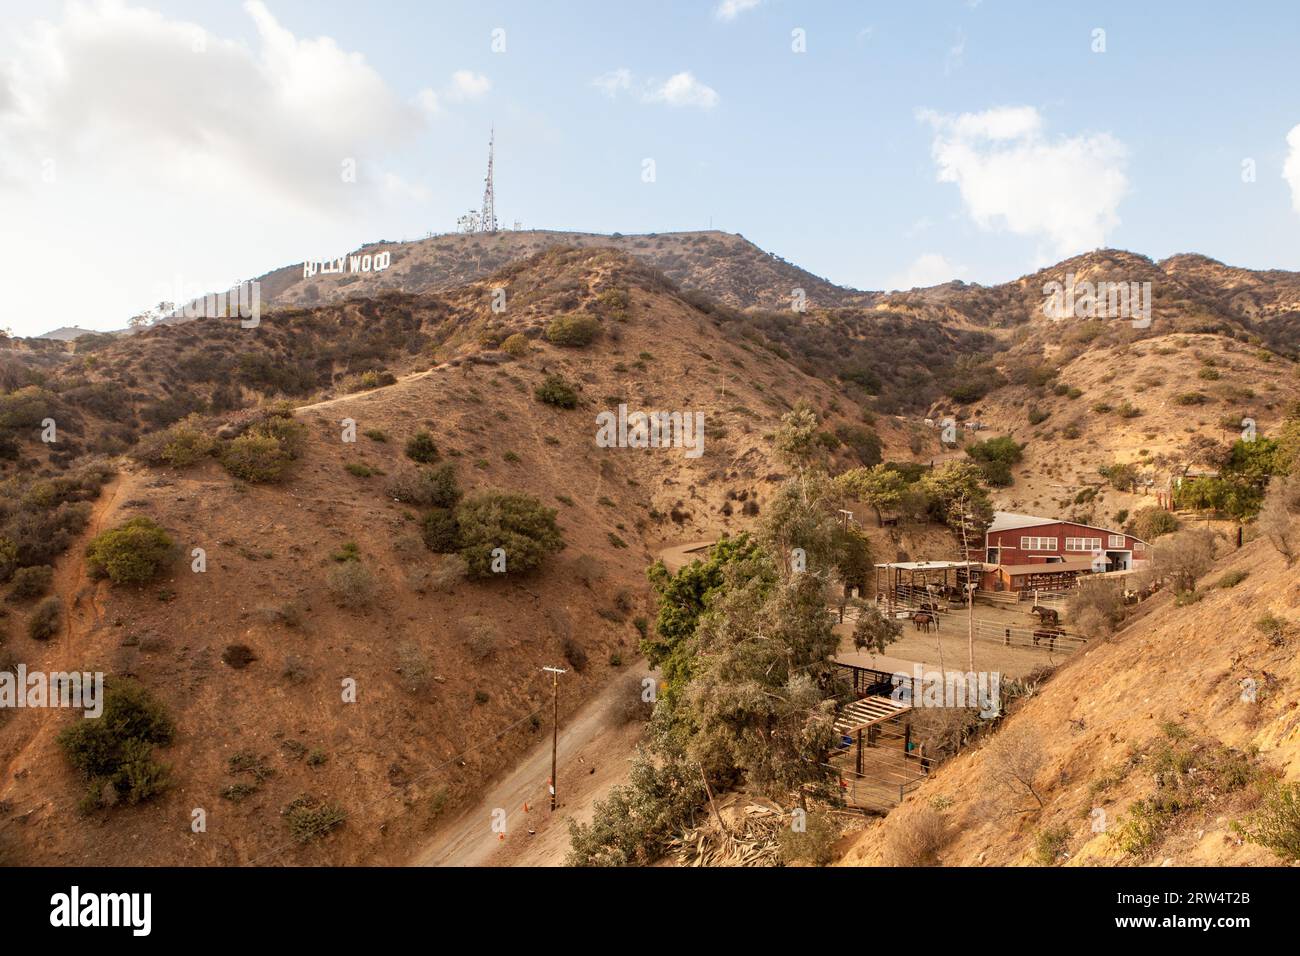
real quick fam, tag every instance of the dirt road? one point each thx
(593, 756)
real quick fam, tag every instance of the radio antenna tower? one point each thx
(488, 218)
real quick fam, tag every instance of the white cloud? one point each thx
(681, 89)
(1064, 190)
(468, 85)
(730, 9)
(185, 107)
(1291, 168)
(204, 156)
(614, 82)
(463, 85)
(925, 270)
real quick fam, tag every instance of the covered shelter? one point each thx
(907, 583)
(1050, 576)
(877, 763)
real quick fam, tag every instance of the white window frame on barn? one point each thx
(1117, 541)
(1037, 544)
(1086, 545)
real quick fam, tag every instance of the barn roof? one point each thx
(1010, 520)
(1006, 520)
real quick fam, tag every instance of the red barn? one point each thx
(1021, 549)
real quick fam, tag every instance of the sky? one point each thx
(152, 152)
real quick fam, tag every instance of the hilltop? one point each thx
(726, 267)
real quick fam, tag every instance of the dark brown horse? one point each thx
(923, 619)
(1046, 616)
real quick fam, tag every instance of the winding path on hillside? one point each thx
(81, 614)
(593, 757)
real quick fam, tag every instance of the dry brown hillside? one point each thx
(447, 681)
(1125, 721)
(1145, 404)
(724, 266)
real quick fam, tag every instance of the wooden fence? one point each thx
(1038, 638)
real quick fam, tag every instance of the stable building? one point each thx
(1026, 552)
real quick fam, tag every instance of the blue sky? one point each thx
(910, 143)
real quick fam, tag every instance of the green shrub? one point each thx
(352, 585)
(348, 552)
(117, 748)
(427, 486)
(517, 345)
(131, 553)
(310, 819)
(614, 303)
(26, 407)
(814, 844)
(517, 523)
(31, 582)
(556, 391)
(358, 469)
(1122, 476)
(1151, 522)
(1139, 832)
(572, 331)
(1275, 823)
(420, 447)
(279, 423)
(441, 531)
(995, 458)
(256, 458)
(186, 443)
(44, 622)
(1049, 844)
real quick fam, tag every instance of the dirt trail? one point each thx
(592, 758)
(81, 615)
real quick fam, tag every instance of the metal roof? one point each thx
(1007, 520)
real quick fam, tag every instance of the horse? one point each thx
(925, 619)
(1046, 615)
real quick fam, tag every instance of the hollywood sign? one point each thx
(377, 262)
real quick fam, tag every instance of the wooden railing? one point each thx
(1037, 638)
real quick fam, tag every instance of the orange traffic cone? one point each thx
(525, 806)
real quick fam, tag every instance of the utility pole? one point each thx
(555, 673)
